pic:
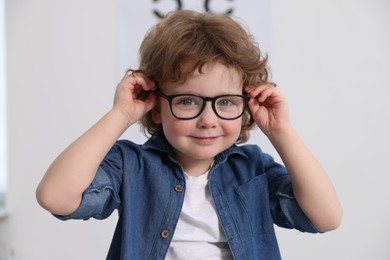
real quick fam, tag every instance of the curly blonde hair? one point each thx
(184, 37)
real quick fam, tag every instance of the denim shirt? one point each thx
(251, 193)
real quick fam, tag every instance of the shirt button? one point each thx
(179, 188)
(165, 233)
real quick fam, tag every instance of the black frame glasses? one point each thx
(169, 98)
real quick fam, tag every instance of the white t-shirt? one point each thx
(198, 233)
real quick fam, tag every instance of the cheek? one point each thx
(171, 125)
(176, 128)
(232, 128)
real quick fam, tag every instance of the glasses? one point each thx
(188, 106)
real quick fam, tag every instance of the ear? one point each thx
(156, 116)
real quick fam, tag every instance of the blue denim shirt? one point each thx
(251, 193)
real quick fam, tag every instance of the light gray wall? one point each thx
(330, 58)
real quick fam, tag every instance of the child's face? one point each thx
(198, 140)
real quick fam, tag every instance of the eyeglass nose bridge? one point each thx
(205, 100)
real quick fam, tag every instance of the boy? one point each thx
(190, 192)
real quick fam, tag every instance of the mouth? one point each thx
(205, 139)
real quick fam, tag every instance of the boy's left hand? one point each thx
(268, 107)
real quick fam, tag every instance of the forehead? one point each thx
(211, 77)
(218, 69)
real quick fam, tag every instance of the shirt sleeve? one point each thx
(101, 198)
(285, 209)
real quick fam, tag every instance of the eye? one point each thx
(185, 101)
(224, 102)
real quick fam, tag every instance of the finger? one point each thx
(265, 94)
(139, 80)
(145, 82)
(254, 91)
(261, 93)
(128, 73)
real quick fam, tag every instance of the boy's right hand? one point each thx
(130, 98)
(61, 189)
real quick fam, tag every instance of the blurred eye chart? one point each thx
(136, 17)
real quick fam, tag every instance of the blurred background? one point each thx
(60, 62)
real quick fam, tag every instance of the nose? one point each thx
(208, 118)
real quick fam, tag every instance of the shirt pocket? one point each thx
(254, 198)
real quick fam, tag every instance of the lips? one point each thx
(205, 139)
